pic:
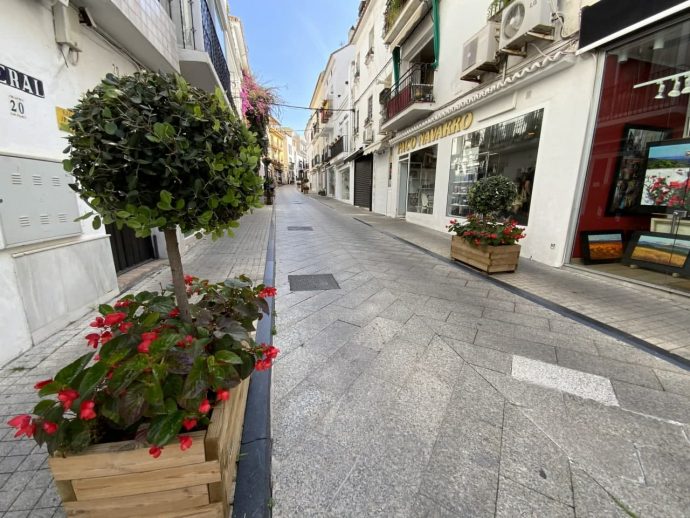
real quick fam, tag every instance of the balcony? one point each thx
(338, 147)
(496, 7)
(401, 18)
(202, 60)
(144, 28)
(410, 100)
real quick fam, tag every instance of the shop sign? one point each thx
(459, 123)
(20, 81)
(63, 117)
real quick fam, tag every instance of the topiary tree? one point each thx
(150, 151)
(492, 195)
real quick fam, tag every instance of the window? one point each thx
(357, 66)
(356, 122)
(422, 180)
(370, 52)
(508, 148)
(370, 109)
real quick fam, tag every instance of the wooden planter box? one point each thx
(490, 259)
(122, 480)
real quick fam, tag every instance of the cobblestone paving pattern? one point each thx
(395, 395)
(26, 488)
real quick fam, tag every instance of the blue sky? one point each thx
(289, 42)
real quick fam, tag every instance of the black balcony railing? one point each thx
(337, 147)
(416, 86)
(214, 50)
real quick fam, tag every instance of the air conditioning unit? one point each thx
(525, 20)
(479, 53)
(368, 135)
(66, 21)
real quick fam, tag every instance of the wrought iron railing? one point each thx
(417, 85)
(337, 147)
(393, 10)
(496, 7)
(214, 50)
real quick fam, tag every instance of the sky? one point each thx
(289, 42)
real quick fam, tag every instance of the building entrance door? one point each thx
(403, 173)
(364, 172)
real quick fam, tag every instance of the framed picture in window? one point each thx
(602, 246)
(628, 177)
(666, 176)
(667, 253)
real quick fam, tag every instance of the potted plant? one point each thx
(149, 420)
(488, 240)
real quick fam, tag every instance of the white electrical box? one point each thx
(479, 53)
(36, 203)
(523, 21)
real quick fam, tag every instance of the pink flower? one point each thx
(49, 427)
(155, 451)
(185, 442)
(86, 411)
(222, 394)
(188, 423)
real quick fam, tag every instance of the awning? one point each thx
(609, 20)
(373, 148)
(354, 156)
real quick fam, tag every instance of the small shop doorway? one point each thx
(364, 172)
(128, 250)
(403, 172)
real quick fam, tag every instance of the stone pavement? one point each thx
(658, 317)
(26, 489)
(419, 389)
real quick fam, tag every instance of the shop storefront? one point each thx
(344, 175)
(330, 191)
(636, 196)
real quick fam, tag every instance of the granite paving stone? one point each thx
(515, 500)
(653, 402)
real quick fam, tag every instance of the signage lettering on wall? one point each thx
(63, 117)
(455, 125)
(20, 81)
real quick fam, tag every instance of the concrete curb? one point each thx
(253, 486)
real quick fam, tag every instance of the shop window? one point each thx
(508, 148)
(422, 180)
(346, 184)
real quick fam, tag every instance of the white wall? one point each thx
(76, 273)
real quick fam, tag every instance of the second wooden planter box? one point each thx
(122, 480)
(491, 259)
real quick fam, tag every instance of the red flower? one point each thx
(188, 279)
(453, 221)
(152, 335)
(188, 423)
(41, 384)
(185, 442)
(67, 397)
(188, 340)
(155, 451)
(205, 406)
(125, 327)
(222, 394)
(123, 303)
(143, 347)
(23, 425)
(49, 427)
(174, 313)
(93, 339)
(86, 411)
(115, 318)
(262, 365)
(268, 291)
(106, 337)
(99, 322)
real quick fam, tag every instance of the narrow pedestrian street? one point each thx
(417, 388)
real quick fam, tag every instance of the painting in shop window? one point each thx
(667, 176)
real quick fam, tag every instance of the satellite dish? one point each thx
(513, 20)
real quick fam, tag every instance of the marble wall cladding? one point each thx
(15, 336)
(60, 284)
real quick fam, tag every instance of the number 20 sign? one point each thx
(17, 107)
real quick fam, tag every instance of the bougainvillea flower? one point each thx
(174, 313)
(93, 339)
(125, 327)
(67, 397)
(86, 410)
(185, 442)
(188, 279)
(41, 384)
(99, 322)
(23, 424)
(123, 303)
(115, 318)
(155, 451)
(268, 291)
(49, 427)
(222, 394)
(188, 423)
(205, 406)
(106, 337)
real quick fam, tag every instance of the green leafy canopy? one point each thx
(150, 151)
(492, 195)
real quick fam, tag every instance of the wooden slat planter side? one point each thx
(121, 480)
(491, 259)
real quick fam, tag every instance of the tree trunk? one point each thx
(175, 259)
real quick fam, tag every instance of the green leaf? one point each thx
(50, 388)
(96, 223)
(123, 214)
(143, 296)
(164, 343)
(166, 197)
(106, 113)
(132, 404)
(67, 165)
(78, 434)
(233, 328)
(92, 377)
(162, 304)
(153, 392)
(126, 373)
(164, 428)
(105, 309)
(150, 320)
(44, 406)
(197, 380)
(110, 128)
(116, 350)
(228, 357)
(69, 373)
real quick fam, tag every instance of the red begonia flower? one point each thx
(268, 291)
(49, 427)
(174, 313)
(185, 442)
(269, 351)
(23, 425)
(222, 394)
(143, 347)
(67, 397)
(125, 327)
(86, 411)
(188, 340)
(123, 303)
(205, 406)
(188, 423)
(262, 365)
(188, 279)
(93, 339)
(41, 384)
(151, 336)
(115, 318)
(155, 451)
(99, 322)
(106, 337)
